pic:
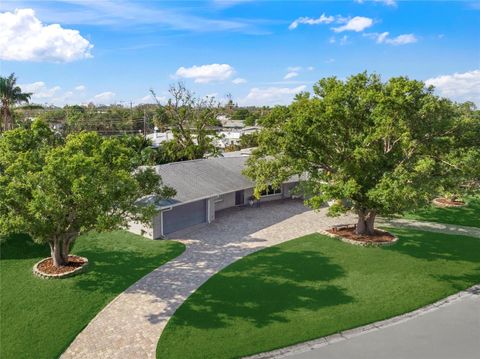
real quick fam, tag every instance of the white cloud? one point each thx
(294, 68)
(323, 19)
(310, 68)
(130, 13)
(40, 91)
(149, 99)
(24, 38)
(290, 75)
(384, 38)
(357, 24)
(402, 39)
(271, 95)
(206, 73)
(459, 86)
(103, 98)
(239, 81)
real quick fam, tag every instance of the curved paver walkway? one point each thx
(130, 326)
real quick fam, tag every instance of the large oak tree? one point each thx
(55, 189)
(379, 148)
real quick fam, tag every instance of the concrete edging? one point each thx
(76, 271)
(351, 333)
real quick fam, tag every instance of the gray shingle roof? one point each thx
(204, 178)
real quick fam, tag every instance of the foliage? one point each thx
(461, 174)
(10, 95)
(191, 121)
(56, 190)
(39, 318)
(314, 286)
(381, 146)
(249, 140)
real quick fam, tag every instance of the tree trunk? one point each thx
(366, 222)
(6, 117)
(66, 248)
(56, 253)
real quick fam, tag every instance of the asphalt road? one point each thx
(450, 332)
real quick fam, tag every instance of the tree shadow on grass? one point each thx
(433, 246)
(262, 289)
(460, 282)
(21, 246)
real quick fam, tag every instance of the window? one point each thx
(270, 191)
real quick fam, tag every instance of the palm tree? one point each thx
(10, 94)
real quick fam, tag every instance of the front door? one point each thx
(239, 200)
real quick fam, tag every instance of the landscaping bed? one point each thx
(347, 234)
(445, 202)
(33, 308)
(314, 286)
(46, 269)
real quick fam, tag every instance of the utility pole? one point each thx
(144, 124)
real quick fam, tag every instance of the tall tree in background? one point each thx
(378, 148)
(10, 94)
(191, 121)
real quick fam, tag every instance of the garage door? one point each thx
(184, 216)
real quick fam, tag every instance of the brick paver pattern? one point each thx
(130, 326)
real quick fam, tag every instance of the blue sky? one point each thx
(261, 52)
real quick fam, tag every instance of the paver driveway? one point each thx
(130, 326)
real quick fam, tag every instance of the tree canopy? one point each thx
(375, 147)
(10, 95)
(55, 189)
(191, 121)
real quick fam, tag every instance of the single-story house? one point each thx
(204, 187)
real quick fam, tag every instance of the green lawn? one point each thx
(315, 286)
(465, 216)
(40, 317)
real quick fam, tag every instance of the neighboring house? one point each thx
(227, 138)
(229, 124)
(204, 187)
(158, 137)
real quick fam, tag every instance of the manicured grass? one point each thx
(315, 286)
(39, 317)
(465, 216)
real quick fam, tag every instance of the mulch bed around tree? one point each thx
(46, 266)
(445, 202)
(379, 237)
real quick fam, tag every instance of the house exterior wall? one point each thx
(141, 229)
(225, 201)
(212, 205)
(287, 188)
(157, 226)
(211, 210)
